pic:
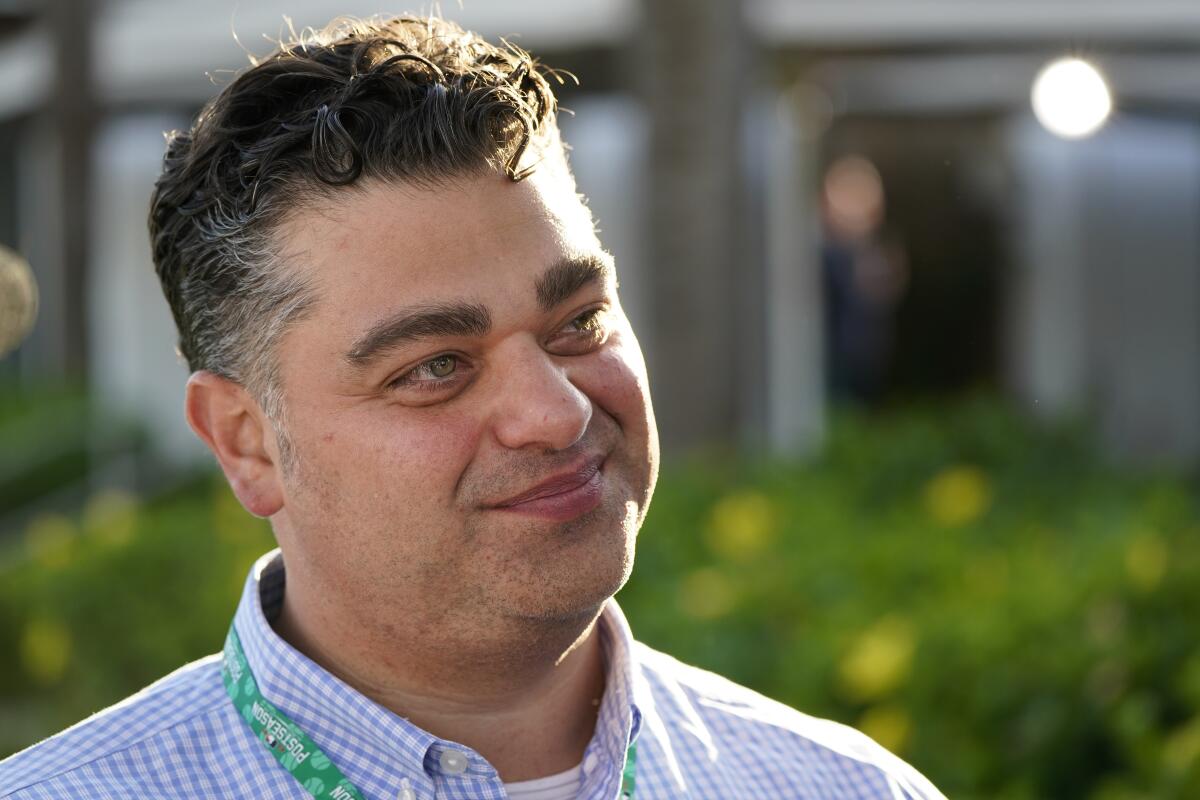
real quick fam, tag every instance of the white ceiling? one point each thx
(940, 83)
(164, 47)
(172, 50)
(890, 22)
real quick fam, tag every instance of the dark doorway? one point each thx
(944, 183)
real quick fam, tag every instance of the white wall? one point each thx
(165, 49)
(1107, 304)
(608, 139)
(132, 340)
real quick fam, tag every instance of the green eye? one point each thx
(589, 321)
(441, 366)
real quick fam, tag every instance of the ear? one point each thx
(231, 423)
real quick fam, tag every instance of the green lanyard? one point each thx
(291, 746)
(299, 754)
(629, 774)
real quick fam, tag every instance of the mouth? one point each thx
(562, 497)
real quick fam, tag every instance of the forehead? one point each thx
(388, 242)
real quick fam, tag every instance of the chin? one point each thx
(562, 572)
(574, 586)
(578, 599)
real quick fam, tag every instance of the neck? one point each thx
(524, 695)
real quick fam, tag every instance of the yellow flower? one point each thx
(958, 495)
(741, 526)
(879, 660)
(890, 725)
(49, 540)
(705, 594)
(1182, 748)
(111, 516)
(45, 650)
(1146, 560)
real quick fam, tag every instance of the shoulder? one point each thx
(731, 718)
(135, 729)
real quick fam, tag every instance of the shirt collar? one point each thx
(619, 722)
(354, 731)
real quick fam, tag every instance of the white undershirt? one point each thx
(563, 786)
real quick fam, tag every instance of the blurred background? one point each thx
(919, 286)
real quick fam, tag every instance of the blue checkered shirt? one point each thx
(698, 735)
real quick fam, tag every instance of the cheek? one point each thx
(618, 385)
(415, 461)
(437, 446)
(616, 381)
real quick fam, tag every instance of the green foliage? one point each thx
(984, 597)
(45, 443)
(52, 438)
(94, 608)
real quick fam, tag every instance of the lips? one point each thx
(562, 496)
(558, 484)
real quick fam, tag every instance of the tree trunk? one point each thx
(690, 67)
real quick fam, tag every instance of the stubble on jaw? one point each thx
(563, 576)
(488, 565)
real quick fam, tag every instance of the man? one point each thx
(409, 355)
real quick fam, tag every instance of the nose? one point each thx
(536, 404)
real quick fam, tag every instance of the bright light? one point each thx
(1071, 99)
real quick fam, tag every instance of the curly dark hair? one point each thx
(414, 99)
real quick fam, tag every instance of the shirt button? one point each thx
(453, 762)
(406, 794)
(589, 763)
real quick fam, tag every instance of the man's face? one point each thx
(467, 404)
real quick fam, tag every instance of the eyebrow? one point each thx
(422, 322)
(562, 280)
(569, 275)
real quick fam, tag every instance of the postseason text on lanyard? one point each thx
(299, 754)
(291, 746)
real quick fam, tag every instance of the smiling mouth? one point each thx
(563, 497)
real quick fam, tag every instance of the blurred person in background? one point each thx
(409, 355)
(865, 273)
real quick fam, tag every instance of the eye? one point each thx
(442, 366)
(588, 320)
(433, 375)
(584, 333)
